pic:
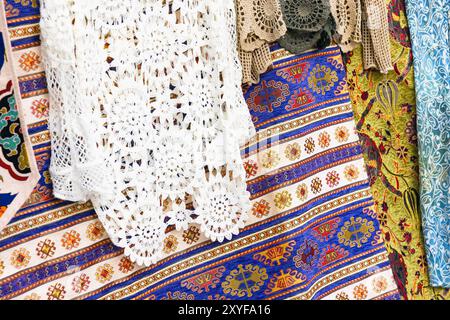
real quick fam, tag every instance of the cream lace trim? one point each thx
(348, 15)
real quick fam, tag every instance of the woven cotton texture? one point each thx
(147, 116)
(260, 22)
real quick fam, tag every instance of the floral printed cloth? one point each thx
(385, 109)
(429, 23)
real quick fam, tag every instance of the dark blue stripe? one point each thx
(24, 41)
(42, 145)
(38, 129)
(32, 85)
(311, 111)
(22, 23)
(306, 112)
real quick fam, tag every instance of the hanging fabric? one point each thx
(364, 22)
(348, 17)
(260, 22)
(429, 23)
(147, 116)
(58, 250)
(310, 25)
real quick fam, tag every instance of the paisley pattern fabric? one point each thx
(59, 250)
(18, 173)
(385, 110)
(429, 21)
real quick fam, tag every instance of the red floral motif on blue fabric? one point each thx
(324, 231)
(331, 254)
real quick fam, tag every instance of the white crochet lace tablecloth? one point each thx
(147, 116)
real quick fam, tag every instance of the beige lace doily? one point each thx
(375, 29)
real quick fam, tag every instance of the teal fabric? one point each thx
(429, 27)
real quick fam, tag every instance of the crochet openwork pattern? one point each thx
(310, 25)
(147, 116)
(348, 15)
(260, 22)
(305, 15)
(375, 36)
(296, 41)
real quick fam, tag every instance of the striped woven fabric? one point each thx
(311, 234)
